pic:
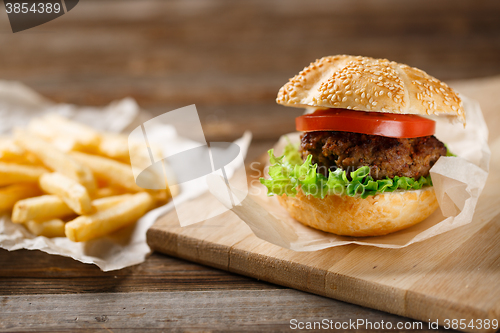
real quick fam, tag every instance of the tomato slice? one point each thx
(373, 123)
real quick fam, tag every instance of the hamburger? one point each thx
(367, 145)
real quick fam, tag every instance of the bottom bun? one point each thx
(353, 216)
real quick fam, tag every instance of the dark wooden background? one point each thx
(229, 58)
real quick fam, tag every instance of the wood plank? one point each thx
(484, 91)
(231, 310)
(454, 275)
(477, 269)
(26, 272)
(231, 58)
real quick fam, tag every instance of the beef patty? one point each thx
(386, 157)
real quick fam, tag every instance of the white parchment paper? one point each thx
(18, 105)
(458, 182)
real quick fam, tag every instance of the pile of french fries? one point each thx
(60, 178)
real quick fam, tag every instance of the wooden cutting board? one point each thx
(455, 275)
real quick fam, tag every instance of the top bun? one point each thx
(368, 84)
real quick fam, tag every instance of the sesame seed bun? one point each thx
(368, 84)
(353, 216)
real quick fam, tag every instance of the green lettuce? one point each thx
(448, 151)
(288, 173)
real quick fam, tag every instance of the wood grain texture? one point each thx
(230, 58)
(33, 272)
(193, 311)
(485, 91)
(455, 275)
(451, 276)
(40, 292)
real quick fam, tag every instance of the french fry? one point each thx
(28, 158)
(69, 161)
(105, 203)
(117, 147)
(116, 173)
(12, 173)
(56, 160)
(40, 208)
(140, 155)
(83, 134)
(9, 195)
(108, 192)
(85, 228)
(71, 192)
(161, 197)
(9, 150)
(48, 228)
(114, 146)
(48, 207)
(40, 128)
(65, 134)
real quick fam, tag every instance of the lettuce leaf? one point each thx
(288, 173)
(448, 151)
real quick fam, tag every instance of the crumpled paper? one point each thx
(458, 182)
(127, 247)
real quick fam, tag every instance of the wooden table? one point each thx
(229, 58)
